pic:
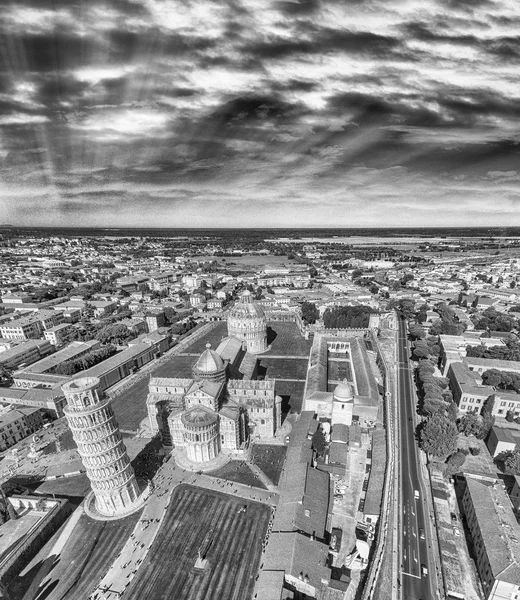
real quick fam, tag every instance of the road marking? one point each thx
(413, 532)
(410, 575)
(414, 557)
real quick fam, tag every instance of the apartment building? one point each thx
(466, 386)
(17, 423)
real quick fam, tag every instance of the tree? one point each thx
(170, 314)
(310, 313)
(488, 420)
(318, 442)
(6, 375)
(416, 332)
(512, 463)
(454, 463)
(470, 424)
(438, 436)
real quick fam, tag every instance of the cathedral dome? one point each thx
(198, 416)
(209, 366)
(209, 361)
(344, 392)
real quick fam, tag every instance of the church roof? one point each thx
(209, 361)
(245, 308)
(212, 388)
(198, 416)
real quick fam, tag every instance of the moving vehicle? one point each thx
(416, 494)
(424, 570)
(421, 534)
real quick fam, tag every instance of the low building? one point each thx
(19, 298)
(495, 534)
(18, 423)
(26, 353)
(59, 334)
(73, 351)
(51, 401)
(515, 494)
(374, 492)
(114, 369)
(506, 402)
(480, 365)
(502, 439)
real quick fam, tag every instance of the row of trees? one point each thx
(310, 313)
(71, 367)
(343, 317)
(511, 351)
(448, 322)
(504, 380)
(492, 320)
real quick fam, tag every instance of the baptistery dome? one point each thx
(247, 322)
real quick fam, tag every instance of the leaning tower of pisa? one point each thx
(103, 453)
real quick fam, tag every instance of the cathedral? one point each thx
(222, 407)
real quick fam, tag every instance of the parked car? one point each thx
(456, 531)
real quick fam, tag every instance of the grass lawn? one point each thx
(228, 536)
(270, 459)
(85, 558)
(214, 337)
(237, 470)
(292, 395)
(76, 487)
(337, 371)
(285, 340)
(283, 368)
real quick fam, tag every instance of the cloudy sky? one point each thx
(226, 113)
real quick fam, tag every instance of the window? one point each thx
(500, 411)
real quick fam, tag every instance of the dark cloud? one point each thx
(298, 7)
(325, 40)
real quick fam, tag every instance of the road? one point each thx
(415, 529)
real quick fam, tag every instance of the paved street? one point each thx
(415, 537)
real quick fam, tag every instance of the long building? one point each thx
(495, 534)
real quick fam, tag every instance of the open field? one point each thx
(219, 526)
(283, 368)
(237, 470)
(270, 459)
(253, 263)
(85, 558)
